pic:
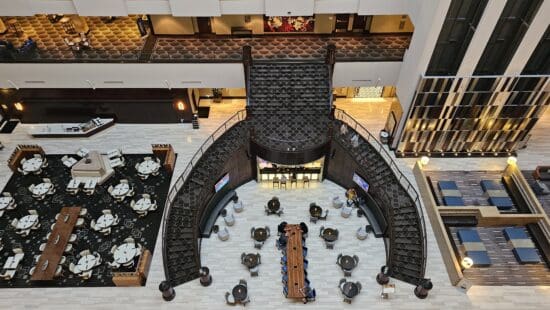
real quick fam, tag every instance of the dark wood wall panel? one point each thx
(288, 158)
(79, 105)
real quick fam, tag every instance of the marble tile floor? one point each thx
(323, 272)
(137, 138)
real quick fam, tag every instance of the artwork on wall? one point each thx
(289, 23)
(391, 123)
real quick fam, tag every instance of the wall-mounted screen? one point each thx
(221, 183)
(361, 182)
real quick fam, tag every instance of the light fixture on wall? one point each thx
(4, 107)
(424, 160)
(247, 19)
(512, 160)
(18, 106)
(467, 262)
(180, 105)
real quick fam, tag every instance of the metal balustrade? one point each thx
(180, 181)
(375, 144)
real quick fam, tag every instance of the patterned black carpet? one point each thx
(143, 230)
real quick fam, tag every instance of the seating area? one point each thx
(256, 265)
(497, 194)
(450, 193)
(473, 247)
(540, 186)
(523, 248)
(74, 237)
(470, 188)
(114, 41)
(499, 256)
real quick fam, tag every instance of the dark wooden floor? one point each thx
(544, 199)
(505, 270)
(468, 184)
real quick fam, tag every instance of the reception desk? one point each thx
(71, 130)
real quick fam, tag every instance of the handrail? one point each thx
(351, 122)
(234, 119)
(247, 64)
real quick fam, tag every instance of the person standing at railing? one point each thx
(343, 129)
(355, 140)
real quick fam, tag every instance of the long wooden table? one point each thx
(55, 246)
(295, 261)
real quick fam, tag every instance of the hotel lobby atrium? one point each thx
(268, 154)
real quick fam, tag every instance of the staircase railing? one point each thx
(236, 118)
(331, 61)
(247, 64)
(351, 122)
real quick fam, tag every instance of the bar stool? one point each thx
(282, 182)
(306, 180)
(293, 179)
(276, 181)
(205, 277)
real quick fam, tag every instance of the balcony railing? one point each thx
(67, 55)
(221, 49)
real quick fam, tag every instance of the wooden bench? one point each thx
(295, 262)
(22, 151)
(165, 151)
(137, 277)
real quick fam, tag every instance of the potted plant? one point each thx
(217, 93)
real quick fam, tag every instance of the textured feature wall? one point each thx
(476, 115)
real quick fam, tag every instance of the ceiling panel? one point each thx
(195, 7)
(101, 7)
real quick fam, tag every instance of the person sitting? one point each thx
(281, 228)
(304, 229)
(6, 49)
(7, 44)
(355, 140)
(281, 242)
(351, 196)
(28, 47)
